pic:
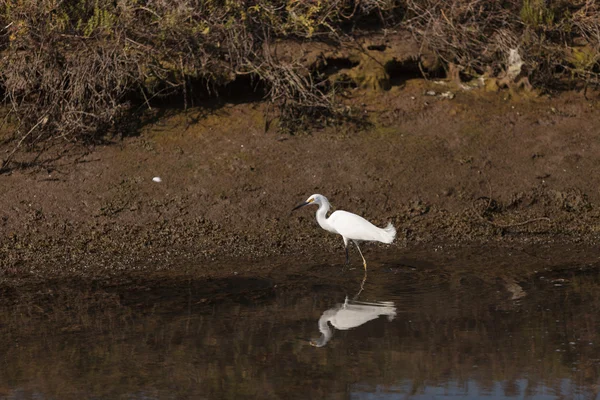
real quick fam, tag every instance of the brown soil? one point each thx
(477, 168)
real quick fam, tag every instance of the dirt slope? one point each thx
(478, 167)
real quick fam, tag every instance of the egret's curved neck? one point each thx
(322, 216)
(325, 331)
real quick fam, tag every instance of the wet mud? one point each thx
(418, 327)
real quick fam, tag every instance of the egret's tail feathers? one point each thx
(388, 233)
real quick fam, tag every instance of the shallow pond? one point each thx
(407, 334)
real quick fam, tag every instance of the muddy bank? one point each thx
(477, 168)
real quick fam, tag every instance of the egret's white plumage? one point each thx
(350, 315)
(355, 227)
(350, 226)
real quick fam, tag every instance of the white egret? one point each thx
(350, 226)
(350, 315)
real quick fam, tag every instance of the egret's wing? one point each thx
(358, 314)
(348, 319)
(354, 227)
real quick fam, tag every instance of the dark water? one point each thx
(404, 337)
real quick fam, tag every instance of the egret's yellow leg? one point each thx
(362, 286)
(363, 258)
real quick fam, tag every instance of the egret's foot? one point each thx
(347, 267)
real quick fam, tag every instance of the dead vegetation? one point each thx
(558, 40)
(74, 70)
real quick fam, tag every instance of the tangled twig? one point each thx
(502, 226)
(7, 160)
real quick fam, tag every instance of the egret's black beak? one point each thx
(301, 205)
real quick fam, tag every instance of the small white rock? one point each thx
(157, 179)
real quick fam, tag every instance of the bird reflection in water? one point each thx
(349, 315)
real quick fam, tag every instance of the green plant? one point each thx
(536, 14)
